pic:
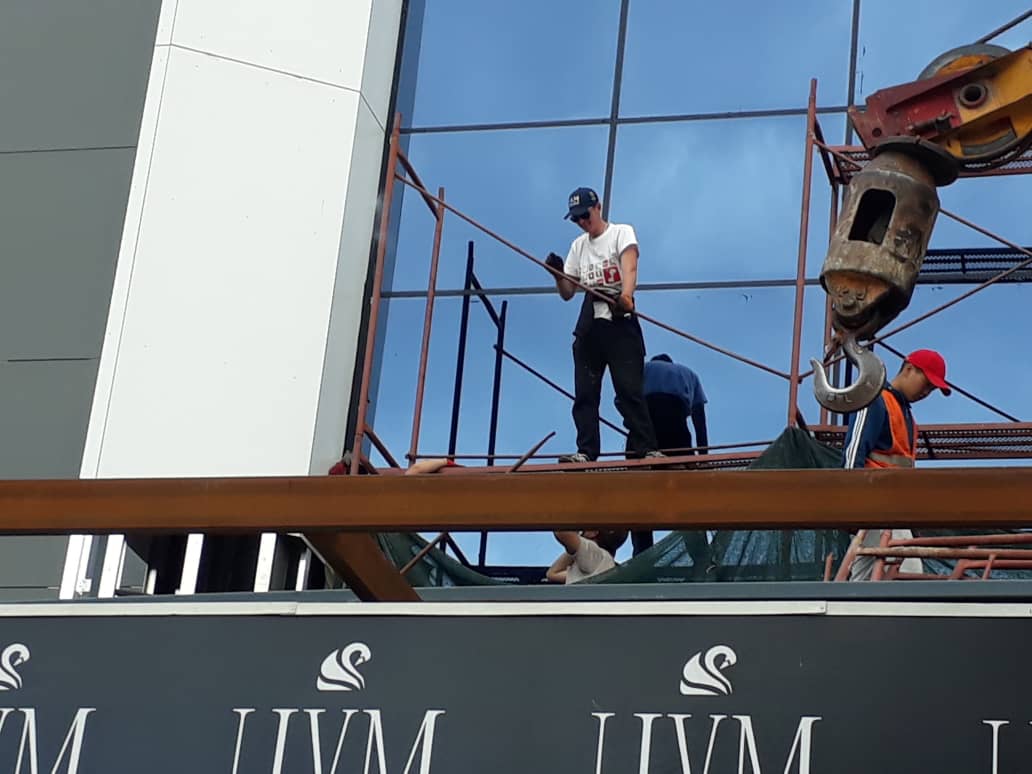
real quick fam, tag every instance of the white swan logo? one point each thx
(13, 655)
(339, 671)
(703, 674)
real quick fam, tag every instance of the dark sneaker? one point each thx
(578, 457)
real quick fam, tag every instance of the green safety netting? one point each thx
(694, 555)
(757, 555)
(435, 568)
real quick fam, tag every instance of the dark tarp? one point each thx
(740, 555)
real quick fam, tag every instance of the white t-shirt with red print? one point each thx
(596, 262)
(590, 559)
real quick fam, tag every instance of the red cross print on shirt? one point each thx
(611, 275)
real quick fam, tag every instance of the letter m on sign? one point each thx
(29, 746)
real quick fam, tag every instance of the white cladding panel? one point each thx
(231, 339)
(326, 40)
(224, 330)
(346, 313)
(378, 72)
(166, 20)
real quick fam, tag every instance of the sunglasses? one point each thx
(579, 218)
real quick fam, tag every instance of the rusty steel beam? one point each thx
(356, 557)
(753, 499)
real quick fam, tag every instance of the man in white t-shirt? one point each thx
(587, 553)
(605, 258)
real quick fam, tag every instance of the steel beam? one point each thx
(751, 499)
(356, 557)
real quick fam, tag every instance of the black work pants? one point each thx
(617, 344)
(670, 424)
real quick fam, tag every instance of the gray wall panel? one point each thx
(29, 595)
(61, 220)
(73, 72)
(43, 417)
(73, 75)
(32, 562)
(44, 407)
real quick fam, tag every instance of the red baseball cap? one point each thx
(932, 366)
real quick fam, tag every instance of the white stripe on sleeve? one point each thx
(854, 442)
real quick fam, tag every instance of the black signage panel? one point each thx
(511, 694)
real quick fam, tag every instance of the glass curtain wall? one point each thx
(689, 119)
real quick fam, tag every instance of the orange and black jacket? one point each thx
(881, 435)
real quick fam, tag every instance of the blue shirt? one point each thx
(869, 429)
(674, 379)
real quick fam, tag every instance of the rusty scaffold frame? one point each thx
(438, 207)
(958, 441)
(966, 441)
(954, 441)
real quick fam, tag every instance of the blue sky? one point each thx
(710, 200)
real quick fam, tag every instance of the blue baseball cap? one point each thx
(581, 200)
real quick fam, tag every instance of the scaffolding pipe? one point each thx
(557, 388)
(927, 552)
(530, 453)
(645, 287)
(428, 318)
(374, 298)
(403, 160)
(496, 395)
(683, 450)
(1003, 28)
(381, 447)
(496, 387)
(854, 46)
(966, 541)
(804, 227)
(832, 224)
(460, 357)
(443, 536)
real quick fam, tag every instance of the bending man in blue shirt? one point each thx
(674, 393)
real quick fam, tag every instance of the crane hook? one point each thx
(869, 382)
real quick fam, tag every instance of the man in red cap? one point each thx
(884, 435)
